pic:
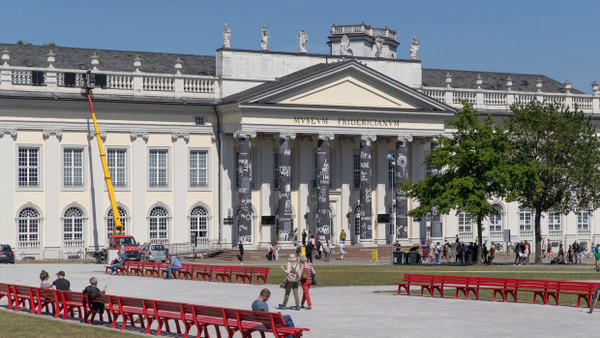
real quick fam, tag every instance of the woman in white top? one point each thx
(292, 268)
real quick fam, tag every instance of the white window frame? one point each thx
(583, 220)
(39, 167)
(554, 221)
(109, 221)
(525, 220)
(167, 169)
(207, 169)
(64, 168)
(73, 222)
(127, 186)
(496, 221)
(160, 234)
(465, 223)
(28, 242)
(199, 223)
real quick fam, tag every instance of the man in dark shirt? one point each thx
(260, 304)
(93, 290)
(61, 283)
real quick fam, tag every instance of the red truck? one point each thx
(115, 243)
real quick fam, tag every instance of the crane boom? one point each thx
(109, 186)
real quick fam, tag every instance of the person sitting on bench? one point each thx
(260, 304)
(174, 264)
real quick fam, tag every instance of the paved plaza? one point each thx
(364, 311)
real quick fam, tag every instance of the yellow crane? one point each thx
(89, 85)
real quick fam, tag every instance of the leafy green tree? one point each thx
(554, 161)
(469, 169)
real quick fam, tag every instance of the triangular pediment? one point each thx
(350, 92)
(344, 84)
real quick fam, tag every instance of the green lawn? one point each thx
(17, 325)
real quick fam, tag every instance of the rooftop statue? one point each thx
(226, 36)
(264, 39)
(414, 48)
(345, 45)
(302, 43)
(379, 45)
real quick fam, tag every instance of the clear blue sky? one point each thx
(555, 38)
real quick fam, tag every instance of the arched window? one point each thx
(110, 221)
(73, 228)
(199, 223)
(29, 229)
(159, 219)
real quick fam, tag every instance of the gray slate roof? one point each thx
(492, 80)
(111, 60)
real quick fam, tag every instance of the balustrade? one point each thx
(199, 85)
(465, 236)
(496, 234)
(526, 233)
(75, 243)
(555, 234)
(28, 245)
(583, 232)
(153, 83)
(459, 96)
(438, 95)
(494, 99)
(21, 77)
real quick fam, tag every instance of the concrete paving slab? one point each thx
(363, 311)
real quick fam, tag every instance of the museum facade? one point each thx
(245, 145)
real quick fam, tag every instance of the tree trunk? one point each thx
(538, 236)
(479, 240)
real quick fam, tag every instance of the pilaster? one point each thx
(7, 182)
(138, 226)
(180, 167)
(52, 184)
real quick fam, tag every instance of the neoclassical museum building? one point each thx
(245, 144)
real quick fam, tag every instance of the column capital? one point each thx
(244, 134)
(46, 133)
(138, 133)
(404, 138)
(423, 140)
(323, 136)
(8, 131)
(91, 135)
(368, 137)
(180, 135)
(287, 134)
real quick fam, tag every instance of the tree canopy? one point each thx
(470, 170)
(554, 161)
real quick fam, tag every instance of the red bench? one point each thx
(544, 289)
(5, 292)
(257, 321)
(22, 295)
(88, 311)
(47, 298)
(68, 302)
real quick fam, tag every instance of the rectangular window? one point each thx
(198, 169)
(554, 221)
(73, 168)
(158, 168)
(117, 167)
(29, 168)
(583, 220)
(464, 222)
(525, 220)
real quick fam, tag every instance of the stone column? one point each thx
(305, 167)
(52, 183)
(180, 188)
(139, 225)
(322, 214)
(7, 182)
(347, 170)
(285, 187)
(267, 201)
(244, 217)
(401, 222)
(366, 188)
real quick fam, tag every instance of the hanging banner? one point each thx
(401, 162)
(245, 190)
(285, 183)
(322, 215)
(366, 189)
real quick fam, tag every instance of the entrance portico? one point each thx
(324, 143)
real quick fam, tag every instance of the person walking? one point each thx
(318, 247)
(292, 271)
(306, 272)
(304, 237)
(326, 250)
(269, 251)
(341, 247)
(275, 251)
(241, 254)
(309, 250)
